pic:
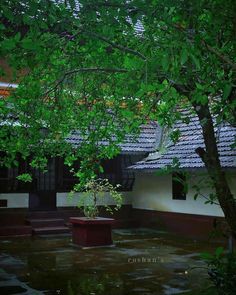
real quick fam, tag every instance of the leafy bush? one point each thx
(95, 189)
(222, 270)
(25, 177)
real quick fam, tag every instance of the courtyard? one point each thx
(125, 107)
(142, 261)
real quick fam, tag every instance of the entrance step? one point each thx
(44, 214)
(48, 226)
(45, 222)
(51, 230)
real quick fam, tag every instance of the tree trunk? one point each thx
(210, 157)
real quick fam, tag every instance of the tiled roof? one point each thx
(5, 88)
(146, 142)
(184, 150)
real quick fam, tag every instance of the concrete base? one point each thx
(88, 232)
(186, 225)
(21, 230)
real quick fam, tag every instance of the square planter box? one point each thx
(88, 232)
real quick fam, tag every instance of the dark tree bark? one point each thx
(210, 157)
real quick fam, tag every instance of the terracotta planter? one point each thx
(87, 232)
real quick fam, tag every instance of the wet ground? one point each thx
(142, 262)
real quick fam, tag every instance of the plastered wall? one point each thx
(16, 200)
(21, 200)
(153, 192)
(150, 192)
(64, 201)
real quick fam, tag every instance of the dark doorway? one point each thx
(43, 195)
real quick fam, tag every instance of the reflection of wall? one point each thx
(16, 200)
(154, 192)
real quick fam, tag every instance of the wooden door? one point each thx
(43, 195)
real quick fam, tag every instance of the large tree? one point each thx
(104, 67)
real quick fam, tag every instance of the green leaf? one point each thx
(165, 62)
(201, 98)
(17, 37)
(226, 91)
(195, 196)
(25, 177)
(219, 251)
(196, 61)
(207, 256)
(8, 44)
(2, 27)
(184, 56)
(72, 4)
(175, 135)
(200, 86)
(29, 44)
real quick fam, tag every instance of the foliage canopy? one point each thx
(105, 67)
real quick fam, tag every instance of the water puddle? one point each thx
(142, 262)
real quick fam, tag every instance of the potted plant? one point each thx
(92, 230)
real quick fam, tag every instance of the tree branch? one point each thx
(202, 154)
(82, 70)
(221, 56)
(213, 50)
(113, 5)
(120, 47)
(212, 202)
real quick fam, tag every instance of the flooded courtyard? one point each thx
(142, 261)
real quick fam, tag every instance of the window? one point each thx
(179, 187)
(112, 166)
(3, 172)
(3, 203)
(115, 171)
(4, 179)
(3, 169)
(65, 178)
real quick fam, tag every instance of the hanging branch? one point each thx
(81, 70)
(115, 45)
(220, 55)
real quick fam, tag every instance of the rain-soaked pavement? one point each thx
(142, 262)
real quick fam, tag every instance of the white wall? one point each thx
(153, 192)
(64, 201)
(150, 192)
(16, 200)
(21, 200)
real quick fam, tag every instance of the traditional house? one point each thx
(48, 191)
(168, 196)
(159, 186)
(45, 200)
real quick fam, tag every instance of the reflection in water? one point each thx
(143, 262)
(41, 262)
(94, 284)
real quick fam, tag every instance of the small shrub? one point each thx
(222, 271)
(94, 190)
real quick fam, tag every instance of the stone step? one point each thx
(53, 214)
(45, 222)
(51, 230)
(44, 214)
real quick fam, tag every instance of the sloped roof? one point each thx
(146, 142)
(190, 139)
